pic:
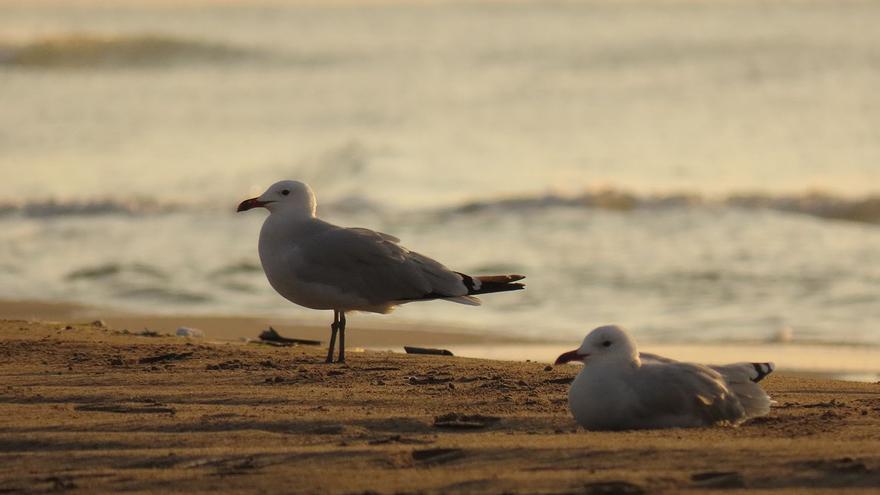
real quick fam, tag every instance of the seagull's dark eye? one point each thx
(285, 192)
(607, 343)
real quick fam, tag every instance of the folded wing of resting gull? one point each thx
(682, 394)
(620, 388)
(754, 372)
(319, 265)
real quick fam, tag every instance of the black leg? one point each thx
(341, 337)
(333, 328)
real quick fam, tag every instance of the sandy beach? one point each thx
(89, 409)
(843, 362)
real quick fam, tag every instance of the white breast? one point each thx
(599, 399)
(281, 257)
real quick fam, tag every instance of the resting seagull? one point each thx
(620, 389)
(323, 266)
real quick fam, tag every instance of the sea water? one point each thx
(695, 171)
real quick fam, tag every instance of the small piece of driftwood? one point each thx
(464, 421)
(173, 356)
(271, 335)
(563, 380)
(425, 350)
(437, 456)
(429, 379)
(126, 408)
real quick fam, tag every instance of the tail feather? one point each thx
(753, 372)
(499, 279)
(475, 286)
(761, 371)
(468, 300)
(487, 284)
(754, 400)
(742, 379)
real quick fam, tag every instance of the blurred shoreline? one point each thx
(819, 203)
(842, 361)
(241, 328)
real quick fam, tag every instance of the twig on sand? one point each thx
(462, 421)
(425, 350)
(126, 408)
(172, 356)
(272, 336)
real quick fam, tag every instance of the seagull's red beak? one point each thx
(569, 357)
(250, 203)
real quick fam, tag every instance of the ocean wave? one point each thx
(109, 270)
(143, 206)
(822, 205)
(88, 207)
(242, 267)
(92, 50)
(817, 204)
(165, 295)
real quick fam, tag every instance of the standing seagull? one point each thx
(322, 266)
(620, 389)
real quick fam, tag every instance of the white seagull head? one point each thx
(606, 343)
(289, 196)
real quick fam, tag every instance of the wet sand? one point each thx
(847, 362)
(381, 333)
(86, 409)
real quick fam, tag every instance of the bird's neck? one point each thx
(615, 365)
(293, 214)
(291, 221)
(285, 226)
(635, 362)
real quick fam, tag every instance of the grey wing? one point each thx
(648, 357)
(369, 233)
(372, 266)
(683, 394)
(732, 373)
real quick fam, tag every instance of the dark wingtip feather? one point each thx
(500, 279)
(487, 284)
(490, 288)
(762, 370)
